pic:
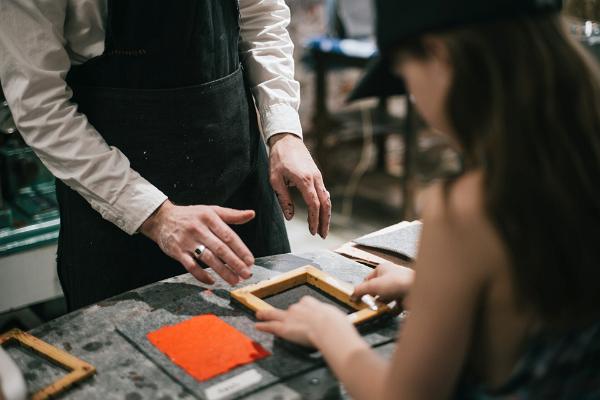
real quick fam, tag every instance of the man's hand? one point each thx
(180, 230)
(292, 165)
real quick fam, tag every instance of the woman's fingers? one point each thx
(388, 286)
(308, 301)
(298, 323)
(271, 314)
(367, 287)
(372, 274)
(375, 287)
(273, 318)
(273, 327)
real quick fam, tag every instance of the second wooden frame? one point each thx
(77, 369)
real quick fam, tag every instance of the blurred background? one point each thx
(375, 154)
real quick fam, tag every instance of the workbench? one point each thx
(123, 372)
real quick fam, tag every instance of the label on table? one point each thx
(233, 385)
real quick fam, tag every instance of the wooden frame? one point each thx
(78, 369)
(251, 296)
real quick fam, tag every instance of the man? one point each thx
(142, 111)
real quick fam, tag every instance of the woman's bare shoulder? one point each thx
(457, 213)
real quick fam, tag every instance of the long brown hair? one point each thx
(525, 107)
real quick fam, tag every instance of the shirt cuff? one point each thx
(280, 118)
(134, 205)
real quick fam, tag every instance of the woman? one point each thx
(505, 299)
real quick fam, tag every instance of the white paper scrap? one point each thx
(233, 385)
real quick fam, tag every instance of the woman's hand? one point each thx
(304, 322)
(179, 230)
(388, 281)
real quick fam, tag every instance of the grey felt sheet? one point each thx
(285, 360)
(285, 299)
(403, 241)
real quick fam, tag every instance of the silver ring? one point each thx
(200, 249)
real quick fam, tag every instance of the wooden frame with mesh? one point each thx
(252, 296)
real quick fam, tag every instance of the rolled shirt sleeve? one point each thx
(267, 53)
(33, 67)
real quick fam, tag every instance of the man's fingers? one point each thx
(325, 203)
(274, 327)
(192, 267)
(213, 262)
(231, 239)
(283, 196)
(306, 187)
(225, 254)
(234, 217)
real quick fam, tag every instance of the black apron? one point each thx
(169, 92)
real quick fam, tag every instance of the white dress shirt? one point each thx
(41, 39)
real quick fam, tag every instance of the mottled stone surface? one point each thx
(124, 372)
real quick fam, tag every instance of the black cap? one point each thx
(402, 19)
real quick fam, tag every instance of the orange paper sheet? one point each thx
(205, 346)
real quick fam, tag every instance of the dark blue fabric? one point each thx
(554, 366)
